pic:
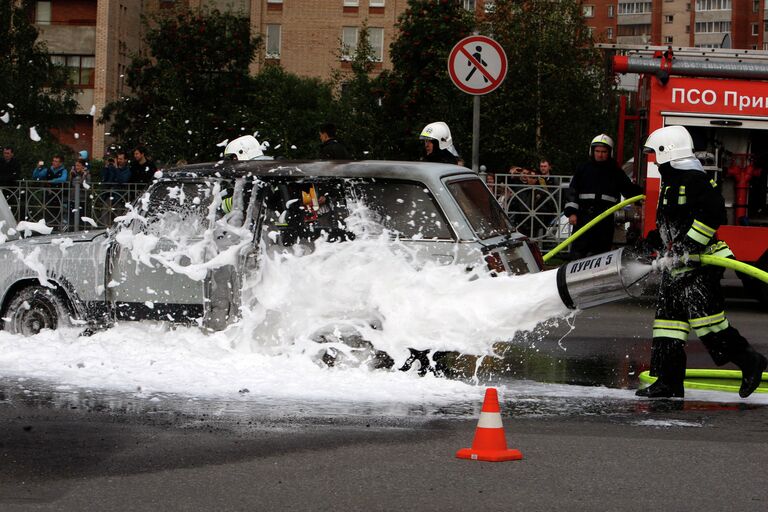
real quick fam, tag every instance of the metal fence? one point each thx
(536, 210)
(63, 205)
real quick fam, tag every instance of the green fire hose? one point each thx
(568, 241)
(705, 259)
(740, 266)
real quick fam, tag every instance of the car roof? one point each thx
(420, 171)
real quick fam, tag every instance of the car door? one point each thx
(154, 270)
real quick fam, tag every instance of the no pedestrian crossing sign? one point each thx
(477, 65)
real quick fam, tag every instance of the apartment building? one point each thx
(695, 23)
(94, 39)
(314, 38)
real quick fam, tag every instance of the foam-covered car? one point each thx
(181, 252)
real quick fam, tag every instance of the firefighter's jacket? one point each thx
(689, 212)
(595, 187)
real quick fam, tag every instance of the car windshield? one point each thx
(483, 212)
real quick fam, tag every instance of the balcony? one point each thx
(70, 39)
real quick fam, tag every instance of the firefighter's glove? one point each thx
(682, 249)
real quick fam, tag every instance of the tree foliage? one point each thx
(418, 90)
(33, 91)
(191, 92)
(357, 109)
(556, 94)
(286, 111)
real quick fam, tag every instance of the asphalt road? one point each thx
(110, 453)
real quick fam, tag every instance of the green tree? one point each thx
(418, 90)
(33, 91)
(557, 91)
(357, 109)
(192, 91)
(286, 111)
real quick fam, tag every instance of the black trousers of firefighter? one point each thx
(694, 301)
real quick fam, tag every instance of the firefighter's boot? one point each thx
(668, 364)
(752, 365)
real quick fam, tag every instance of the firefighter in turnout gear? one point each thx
(690, 210)
(596, 186)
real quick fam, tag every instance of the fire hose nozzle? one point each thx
(602, 278)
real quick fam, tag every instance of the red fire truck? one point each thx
(721, 97)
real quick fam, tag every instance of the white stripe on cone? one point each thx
(489, 420)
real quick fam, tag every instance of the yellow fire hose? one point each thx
(705, 259)
(740, 266)
(568, 241)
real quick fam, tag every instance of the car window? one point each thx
(180, 209)
(304, 210)
(483, 212)
(406, 208)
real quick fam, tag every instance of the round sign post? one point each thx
(477, 65)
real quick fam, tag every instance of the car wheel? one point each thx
(35, 308)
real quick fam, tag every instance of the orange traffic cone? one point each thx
(489, 443)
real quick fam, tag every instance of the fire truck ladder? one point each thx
(687, 61)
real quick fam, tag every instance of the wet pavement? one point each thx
(596, 445)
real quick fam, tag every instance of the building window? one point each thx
(375, 3)
(755, 8)
(687, 29)
(765, 25)
(713, 5)
(708, 27)
(669, 18)
(634, 30)
(274, 33)
(469, 5)
(609, 33)
(610, 11)
(348, 42)
(376, 40)
(667, 39)
(274, 1)
(588, 11)
(43, 13)
(80, 68)
(351, 3)
(754, 29)
(635, 8)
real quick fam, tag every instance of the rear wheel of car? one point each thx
(35, 308)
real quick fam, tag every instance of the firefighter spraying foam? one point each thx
(690, 210)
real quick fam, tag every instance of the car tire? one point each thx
(35, 308)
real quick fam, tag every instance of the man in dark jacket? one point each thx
(690, 211)
(596, 186)
(10, 169)
(142, 168)
(331, 148)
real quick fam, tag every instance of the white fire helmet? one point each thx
(440, 132)
(669, 143)
(602, 140)
(244, 148)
